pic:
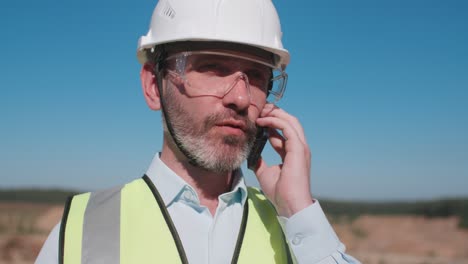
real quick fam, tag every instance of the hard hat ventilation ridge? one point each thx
(168, 11)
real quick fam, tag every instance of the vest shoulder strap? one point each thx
(264, 240)
(146, 233)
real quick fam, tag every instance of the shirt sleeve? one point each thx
(312, 239)
(49, 251)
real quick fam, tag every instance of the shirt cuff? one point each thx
(310, 236)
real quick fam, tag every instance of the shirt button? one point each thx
(297, 239)
(187, 196)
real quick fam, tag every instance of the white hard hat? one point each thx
(248, 22)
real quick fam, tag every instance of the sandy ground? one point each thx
(405, 239)
(371, 239)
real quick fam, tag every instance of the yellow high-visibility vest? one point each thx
(130, 224)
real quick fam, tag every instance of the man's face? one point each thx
(217, 131)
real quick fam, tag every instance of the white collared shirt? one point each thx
(212, 239)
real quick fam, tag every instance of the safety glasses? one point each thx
(216, 73)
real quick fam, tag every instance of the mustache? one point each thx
(212, 120)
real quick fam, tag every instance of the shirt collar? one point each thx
(170, 185)
(238, 188)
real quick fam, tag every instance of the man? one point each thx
(215, 69)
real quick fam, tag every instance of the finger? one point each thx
(291, 136)
(274, 111)
(264, 175)
(279, 113)
(277, 141)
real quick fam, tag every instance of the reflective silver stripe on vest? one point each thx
(101, 228)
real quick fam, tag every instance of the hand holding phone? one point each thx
(286, 184)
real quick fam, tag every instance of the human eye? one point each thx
(259, 77)
(212, 67)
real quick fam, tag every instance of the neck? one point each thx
(208, 184)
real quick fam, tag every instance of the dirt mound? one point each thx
(20, 249)
(23, 230)
(408, 237)
(49, 219)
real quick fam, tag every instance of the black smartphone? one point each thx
(257, 148)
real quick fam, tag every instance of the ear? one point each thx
(150, 87)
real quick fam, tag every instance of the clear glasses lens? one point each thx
(278, 86)
(215, 74)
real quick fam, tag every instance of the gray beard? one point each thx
(217, 154)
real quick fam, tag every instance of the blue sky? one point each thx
(381, 88)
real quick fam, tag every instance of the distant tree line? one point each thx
(54, 196)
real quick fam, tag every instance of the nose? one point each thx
(237, 96)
